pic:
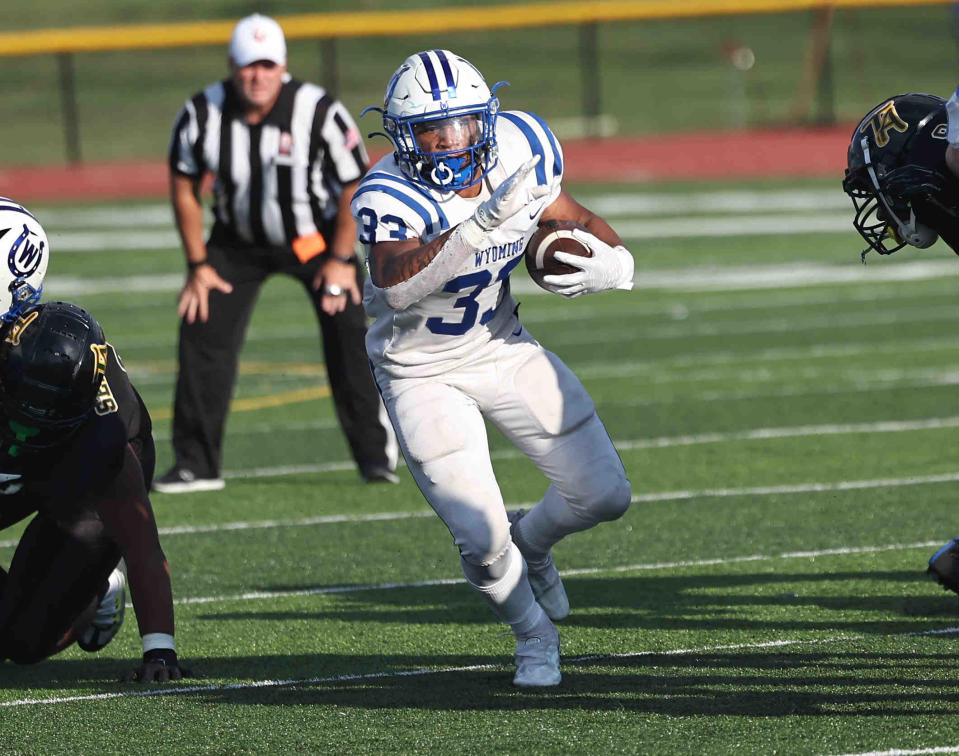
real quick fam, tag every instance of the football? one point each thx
(552, 236)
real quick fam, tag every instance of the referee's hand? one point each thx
(336, 280)
(195, 298)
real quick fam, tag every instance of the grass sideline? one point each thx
(790, 451)
(657, 76)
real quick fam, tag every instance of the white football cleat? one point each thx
(544, 579)
(537, 658)
(107, 621)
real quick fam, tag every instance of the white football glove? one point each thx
(608, 268)
(509, 197)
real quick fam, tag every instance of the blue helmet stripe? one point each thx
(393, 82)
(450, 82)
(404, 198)
(15, 208)
(535, 144)
(382, 176)
(431, 73)
(557, 158)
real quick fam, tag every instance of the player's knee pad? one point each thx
(482, 538)
(603, 497)
(613, 501)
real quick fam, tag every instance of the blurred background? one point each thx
(712, 67)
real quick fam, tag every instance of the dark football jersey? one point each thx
(56, 478)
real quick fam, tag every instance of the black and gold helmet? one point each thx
(52, 362)
(897, 177)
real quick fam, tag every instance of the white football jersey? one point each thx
(474, 308)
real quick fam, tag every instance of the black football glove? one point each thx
(944, 565)
(159, 665)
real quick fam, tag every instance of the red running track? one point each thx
(680, 157)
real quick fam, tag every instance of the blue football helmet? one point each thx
(441, 118)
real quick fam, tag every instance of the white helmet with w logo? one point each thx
(24, 254)
(437, 90)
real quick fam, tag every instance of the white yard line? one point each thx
(751, 326)
(58, 220)
(797, 488)
(648, 203)
(681, 564)
(681, 227)
(908, 752)
(173, 689)
(754, 434)
(639, 367)
(689, 279)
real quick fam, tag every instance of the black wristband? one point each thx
(348, 260)
(164, 656)
(190, 265)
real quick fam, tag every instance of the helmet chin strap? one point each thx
(912, 232)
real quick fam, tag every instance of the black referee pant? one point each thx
(209, 353)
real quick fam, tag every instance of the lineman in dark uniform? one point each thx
(286, 158)
(76, 451)
(902, 174)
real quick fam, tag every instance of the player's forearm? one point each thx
(151, 593)
(410, 275)
(390, 267)
(599, 228)
(565, 208)
(188, 215)
(343, 243)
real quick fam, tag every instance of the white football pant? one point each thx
(537, 402)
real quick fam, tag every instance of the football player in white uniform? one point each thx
(445, 219)
(26, 252)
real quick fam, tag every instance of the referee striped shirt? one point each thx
(276, 180)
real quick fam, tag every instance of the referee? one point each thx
(286, 158)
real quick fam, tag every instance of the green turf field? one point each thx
(787, 416)
(657, 76)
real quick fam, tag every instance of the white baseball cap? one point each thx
(256, 38)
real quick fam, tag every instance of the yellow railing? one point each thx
(396, 23)
(328, 27)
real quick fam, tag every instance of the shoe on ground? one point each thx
(537, 658)
(108, 619)
(544, 579)
(182, 480)
(944, 565)
(378, 474)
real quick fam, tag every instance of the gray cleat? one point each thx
(537, 659)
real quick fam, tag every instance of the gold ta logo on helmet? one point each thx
(885, 120)
(19, 326)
